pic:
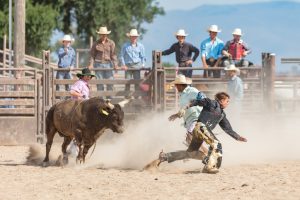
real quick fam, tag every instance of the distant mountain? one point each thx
(268, 27)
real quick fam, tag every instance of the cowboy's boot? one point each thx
(213, 160)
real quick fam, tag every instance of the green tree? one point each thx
(118, 15)
(81, 18)
(41, 20)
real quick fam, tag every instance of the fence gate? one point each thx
(20, 91)
(258, 84)
(29, 93)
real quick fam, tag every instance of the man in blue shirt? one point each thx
(234, 85)
(235, 89)
(66, 60)
(132, 57)
(211, 52)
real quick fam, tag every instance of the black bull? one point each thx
(84, 120)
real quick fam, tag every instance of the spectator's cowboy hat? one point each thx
(232, 67)
(133, 33)
(181, 32)
(103, 31)
(67, 38)
(237, 31)
(85, 72)
(181, 80)
(213, 28)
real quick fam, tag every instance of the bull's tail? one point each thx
(50, 119)
(50, 132)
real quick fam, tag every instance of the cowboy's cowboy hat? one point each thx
(181, 32)
(85, 72)
(103, 31)
(67, 38)
(181, 80)
(133, 32)
(237, 31)
(231, 67)
(214, 28)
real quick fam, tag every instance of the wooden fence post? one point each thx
(268, 65)
(19, 33)
(46, 87)
(159, 81)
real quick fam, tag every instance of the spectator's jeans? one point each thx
(186, 73)
(237, 63)
(216, 73)
(63, 75)
(104, 75)
(133, 75)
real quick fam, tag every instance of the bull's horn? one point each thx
(110, 105)
(124, 102)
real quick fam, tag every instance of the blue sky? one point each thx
(190, 4)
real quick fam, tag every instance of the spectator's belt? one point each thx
(183, 61)
(211, 59)
(64, 67)
(132, 64)
(103, 61)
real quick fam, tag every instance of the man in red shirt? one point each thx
(236, 50)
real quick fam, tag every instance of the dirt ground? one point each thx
(266, 167)
(276, 180)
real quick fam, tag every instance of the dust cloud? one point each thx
(271, 138)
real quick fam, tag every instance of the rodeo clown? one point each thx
(190, 116)
(211, 115)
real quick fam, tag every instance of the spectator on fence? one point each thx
(102, 56)
(236, 50)
(132, 56)
(81, 88)
(235, 85)
(66, 60)
(183, 51)
(211, 52)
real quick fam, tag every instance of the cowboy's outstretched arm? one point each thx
(225, 125)
(179, 114)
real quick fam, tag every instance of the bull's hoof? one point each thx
(210, 170)
(79, 160)
(45, 164)
(59, 161)
(65, 160)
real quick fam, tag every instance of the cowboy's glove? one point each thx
(181, 113)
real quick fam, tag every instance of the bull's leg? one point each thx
(64, 146)
(50, 132)
(79, 141)
(85, 151)
(80, 153)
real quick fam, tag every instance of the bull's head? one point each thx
(115, 116)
